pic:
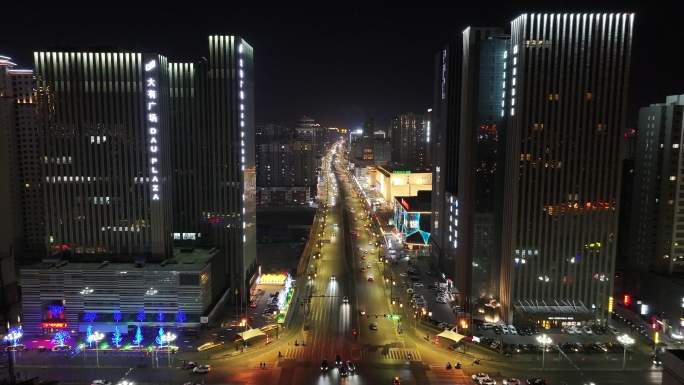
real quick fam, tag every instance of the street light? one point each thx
(544, 340)
(96, 337)
(626, 341)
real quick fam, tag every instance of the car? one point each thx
(362, 312)
(100, 382)
(511, 381)
(587, 330)
(656, 360)
(252, 304)
(370, 278)
(396, 381)
(338, 360)
(16, 348)
(324, 366)
(373, 326)
(201, 369)
(351, 367)
(189, 365)
(344, 372)
(363, 269)
(512, 330)
(332, 278)
(440, 300)
(488, 381)
(418, 284)
(345, 299)
(62, 348)
(478, 377)
(536, 381)
(504, 329)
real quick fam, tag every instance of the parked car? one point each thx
(504, 329)
(478, 377)
(512, 330)
(100, 382)
(373, 326)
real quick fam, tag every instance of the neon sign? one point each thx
(151, 96)
(54, 325)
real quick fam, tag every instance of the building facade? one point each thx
(408, 140)
(566, 93)
(657, 238)
(391, 182)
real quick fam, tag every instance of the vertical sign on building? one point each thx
(444, 73)
(152, 118)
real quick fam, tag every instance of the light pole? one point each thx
(167, 338)
(96, 337)
(626, 342)
(544, 340)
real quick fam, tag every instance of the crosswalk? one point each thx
(404, 354)
(440, 375)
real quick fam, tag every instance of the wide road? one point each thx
(324, 325)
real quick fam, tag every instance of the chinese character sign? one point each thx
(152, 118)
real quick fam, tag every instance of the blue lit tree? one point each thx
(60, 337)
(138, 339)
(160, 337)
(160, 317)
(116, 337)
(89, 332)
(116, 316)
(180, 316)
(140, 316)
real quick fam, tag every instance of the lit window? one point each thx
(675, 145)
(673, 177)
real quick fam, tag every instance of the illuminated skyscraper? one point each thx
(566, 93)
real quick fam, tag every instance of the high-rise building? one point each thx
(657, 238)
(21, 194)
(408, 140)
(467, 119)
(565, 98)
(138, 155)
(425, 145)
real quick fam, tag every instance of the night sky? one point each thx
(340, 66)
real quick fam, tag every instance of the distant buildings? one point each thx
(139, 154)
(288, 162)
(557, 223)
(409, 140)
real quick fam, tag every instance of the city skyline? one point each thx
(342, 67)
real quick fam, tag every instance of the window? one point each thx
(588, 96)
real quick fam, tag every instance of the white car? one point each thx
(511, 381)
(101, 382)
(488, 381)
(478, 377)
(512, 329)
(587, 330)
(332, 278)
(504, 329)
(202, 369)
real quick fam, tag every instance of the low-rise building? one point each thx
(177, 292)
(391, 181)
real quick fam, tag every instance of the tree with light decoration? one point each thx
(160, 337)
(89, 332)
(59, 338)
(116, 337)
(138, 339)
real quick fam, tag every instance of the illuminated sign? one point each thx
(610, 304)
(151, 97)
(627, 299)
(405, 204)
(54, 325)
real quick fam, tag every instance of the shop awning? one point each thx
(451, 335)
(251, 333)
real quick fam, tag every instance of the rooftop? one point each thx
(183, 259)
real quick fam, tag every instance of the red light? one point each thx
(54, 325)
(627, 299)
